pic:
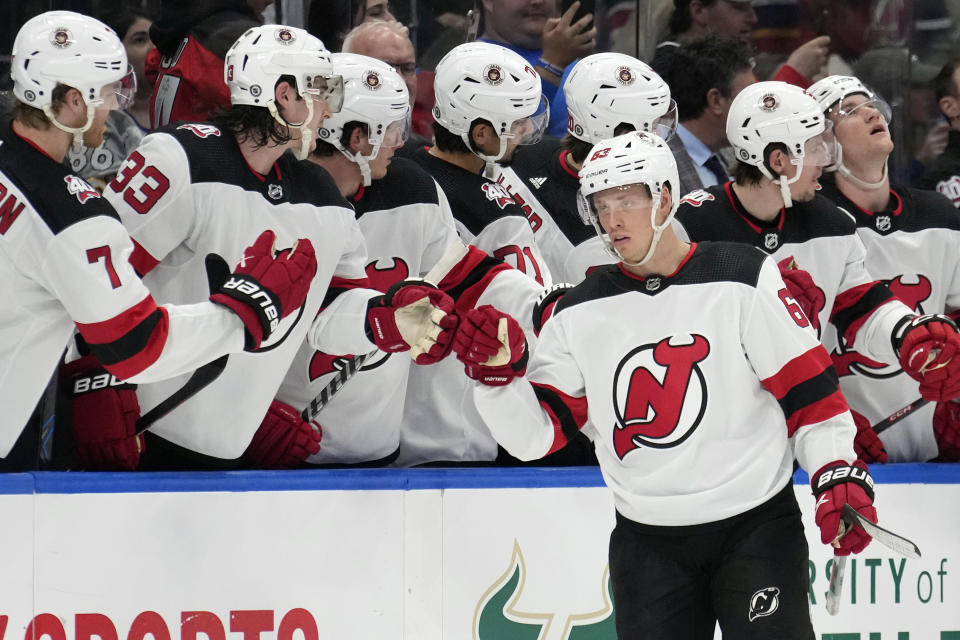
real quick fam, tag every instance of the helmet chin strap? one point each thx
(784, 183)
(490, 168)
(306, 133)
(863, 184)
(361, 161)
(657, 232)
(77, 132)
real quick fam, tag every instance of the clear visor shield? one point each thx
(396, 134)
(666, 125)
(119, 94)
(530, 130)
(862, 105)
(328, 88)
(821, 150)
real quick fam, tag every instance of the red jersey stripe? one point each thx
(823, 409)
(802, 368)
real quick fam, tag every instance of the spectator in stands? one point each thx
(704, 77)
(192, 37)
(331, 20)
(695, 18)
(943, 174)
(133, 26)
(389, 42)
(549, 43)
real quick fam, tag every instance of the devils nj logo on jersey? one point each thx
(382, 277)
(660, 394)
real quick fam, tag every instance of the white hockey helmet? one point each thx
(374, 94)
(63, 47)
(830, 93)
(262, 55)
(772, 112)
(635, 158)
(480, 80)
(605, 90)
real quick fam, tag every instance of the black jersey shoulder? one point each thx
(535, 160)
(406, 183)
(924, 209)
(710, 262)
(215, 157)
(59, 196)
(474, 201)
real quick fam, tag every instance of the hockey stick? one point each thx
(837, 573)
(898, 415)
(887, 538)
(444, 265)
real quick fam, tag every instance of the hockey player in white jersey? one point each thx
(64, 254)
(911, 239)
(698, 384)
(782, 141)
(408, 229)
(607, 94)
(195, 188)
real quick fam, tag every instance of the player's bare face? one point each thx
(804, 189)
(732, 18)
(624, 215)
(861, 130)
(93, 137)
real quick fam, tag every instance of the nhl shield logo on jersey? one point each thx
(497, 193)
(653, 283)
(80, 188)
(275, 191)
(764, 602)
(660, 394)
(883, 223)
(201, 130)
(771, 241)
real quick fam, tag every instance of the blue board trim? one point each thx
(381, 479)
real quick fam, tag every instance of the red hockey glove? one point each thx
(283, 440)
(543, 309)
(834, 485)
(265, 287)
(803, 289)
(414, 315)
(867, 443)
(491, 346)
(103, 416)
(946, 430)
(926, 346)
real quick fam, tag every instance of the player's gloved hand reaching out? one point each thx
(946, 431)
(834, 485)
(803, 289)
(867, 443)
(413, 315)
(491, 345)
(927, 346)
(284, 439)
(266, 286)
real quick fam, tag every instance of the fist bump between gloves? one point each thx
(415, 316)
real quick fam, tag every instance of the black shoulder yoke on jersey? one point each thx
(59, 197)
(707, 262)
(214, 156)
(546, 175)
(475, 201)
(406, 183)
(908, 210)
(720, 216)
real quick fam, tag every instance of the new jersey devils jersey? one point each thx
(543, 184)
(64, 257)
(696, 408)
(822, 240)
(187, 192)
(911, 246)
(487, 216)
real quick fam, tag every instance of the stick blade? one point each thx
(836, 584)
(885, 537)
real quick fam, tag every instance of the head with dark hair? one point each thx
(706, 69)
(255, 124)
(947, 91)
(693, 18)
(132, 25)
(747, 174)
(450, 142)
(580, 149)
(327, 150)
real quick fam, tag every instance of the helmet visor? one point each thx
(666, 125)
(328, 88)
(530, 130)
(821, 150)
(854, 103)
(119, 94)
(395, 134)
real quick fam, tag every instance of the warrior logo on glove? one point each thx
(660, 394)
